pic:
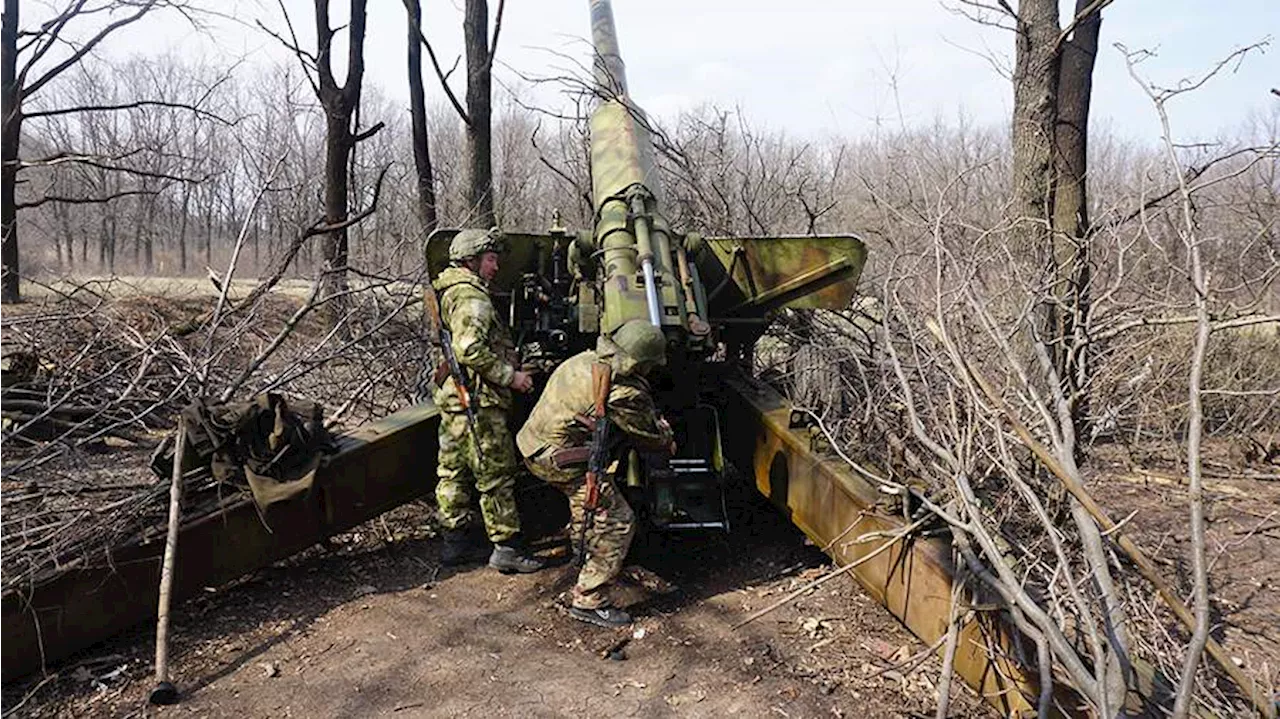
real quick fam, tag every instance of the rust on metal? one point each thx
(376, 468)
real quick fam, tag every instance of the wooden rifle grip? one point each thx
(600, 387)
(593, 493)
(432, 305)
(600, 376)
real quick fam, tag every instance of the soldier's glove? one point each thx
(664, 427)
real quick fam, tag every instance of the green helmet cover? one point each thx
(472, 242)
(643, 341)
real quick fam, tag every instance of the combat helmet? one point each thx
(642, 341)
(472, 242)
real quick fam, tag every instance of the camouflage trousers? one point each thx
(608, 539)
(460, 473)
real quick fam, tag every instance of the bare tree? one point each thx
(477, 115)
(418, 109)
(1052, 89)
(1188, 231)
(43, 57)
(480, 54)
(340, 103)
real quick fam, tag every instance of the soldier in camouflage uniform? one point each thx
(487, 356)
(556, 433)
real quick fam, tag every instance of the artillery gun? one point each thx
(712, 296)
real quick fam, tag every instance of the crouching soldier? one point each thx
(487, 359)
(556, 444)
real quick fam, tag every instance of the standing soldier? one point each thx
(556, 444)
(487, 359)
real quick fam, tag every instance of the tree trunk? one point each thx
(276, 237)
(63, 214)
(418, 110)
(111, 242)
(208, 227)
(1035, 116)
(10, 94)
(1035, 91)
(337, 148)
(1051, 96)
(138, 225)
(57, 246)
(340, 103)
(479, 109)
(1075, 89)
(102, 240)
(1071, 210)
(182, 229)
(148, 236)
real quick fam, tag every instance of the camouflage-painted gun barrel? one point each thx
(610, 71)
(634, 238)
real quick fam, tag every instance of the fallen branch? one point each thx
(1263, 704)
(897, 536)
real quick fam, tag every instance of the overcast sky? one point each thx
(809, 67)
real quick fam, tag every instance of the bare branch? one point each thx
(321, 229)
(46, 37)
(1094, 7)
(130, 106)
(94, 161)
(493, 44)
(1188, 85)
(980, 14)
(361, 137)
(307, 60)
(27, 91)
(444, 78)
(83, 200)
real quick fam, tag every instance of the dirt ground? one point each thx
(1243, 516)
(371, 626)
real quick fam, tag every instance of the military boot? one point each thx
(606, 616)
(511, 557)
(461, 548)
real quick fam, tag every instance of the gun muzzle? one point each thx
(610, 72)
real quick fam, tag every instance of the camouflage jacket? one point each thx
(481, 341)
(553, 423)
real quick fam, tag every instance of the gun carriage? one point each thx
(713, 297)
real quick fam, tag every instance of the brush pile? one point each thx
(93, 379)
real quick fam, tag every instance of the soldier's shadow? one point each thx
(666, 571)
(761, 546)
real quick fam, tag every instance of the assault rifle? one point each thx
(598, 460)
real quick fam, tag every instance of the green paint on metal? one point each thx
(379, 466)
(795, 272)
